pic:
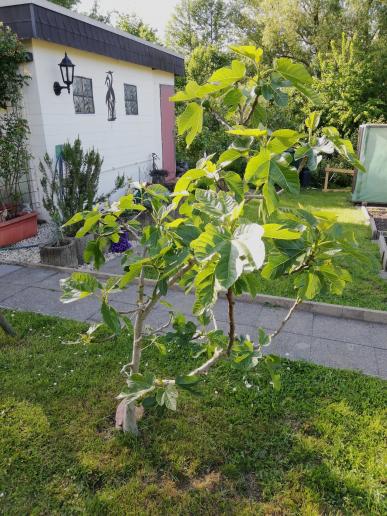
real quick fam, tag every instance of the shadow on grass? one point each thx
(314, 447)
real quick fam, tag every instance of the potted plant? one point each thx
(69, 187)
(158, 175)
(16, 221)
(61, 251)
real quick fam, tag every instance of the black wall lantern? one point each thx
(67, 72)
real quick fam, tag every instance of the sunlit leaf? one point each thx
(277, 231)
(190, 122)
(249, 51)
(229, 74)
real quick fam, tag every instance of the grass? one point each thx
(313, 448)
(367, 289)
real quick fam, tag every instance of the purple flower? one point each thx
(122, 245)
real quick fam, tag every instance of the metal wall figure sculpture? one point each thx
(110, 97)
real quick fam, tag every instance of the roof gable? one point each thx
(44, 20)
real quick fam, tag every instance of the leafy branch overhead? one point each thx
(219, 233)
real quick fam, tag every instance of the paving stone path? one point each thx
(332, 341)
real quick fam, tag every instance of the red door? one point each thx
(167, 110)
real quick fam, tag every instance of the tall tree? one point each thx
(133, 24)
(203, 61)
(350, 87)
(302, 28)
(198, 22)
(96, 14)
(291, 28)
(69, 4)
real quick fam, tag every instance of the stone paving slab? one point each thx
(6, 269)
(28, 276)
(354, 356)
(381, 362)
(291, 345)
(327, 340)
(52, 281)
(348, 330)
(34, 299)
(8, 289)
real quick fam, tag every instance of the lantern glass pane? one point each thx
(62, 71)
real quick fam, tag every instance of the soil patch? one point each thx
(380, 217)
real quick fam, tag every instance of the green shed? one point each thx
(371, 187)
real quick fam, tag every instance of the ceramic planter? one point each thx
(64, 255)
(17, 229)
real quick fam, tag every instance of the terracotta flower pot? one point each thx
(19, 228)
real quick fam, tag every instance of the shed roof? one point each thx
(45, 20)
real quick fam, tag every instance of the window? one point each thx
(83, 95)
(131, 105)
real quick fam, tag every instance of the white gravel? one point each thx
(20, 253)
(16, 253)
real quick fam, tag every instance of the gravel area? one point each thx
(22, 253)
(17, 252)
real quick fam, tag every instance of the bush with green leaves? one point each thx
(12, 55)
(350, 85)
(219, 233)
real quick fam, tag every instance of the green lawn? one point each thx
(367, 288)
(313, 448)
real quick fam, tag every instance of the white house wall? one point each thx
(126, 143)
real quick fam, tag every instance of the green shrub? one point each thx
(75, 188)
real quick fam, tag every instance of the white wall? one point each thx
(126, 144)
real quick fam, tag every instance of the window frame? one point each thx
(83, 96)
(131, 100)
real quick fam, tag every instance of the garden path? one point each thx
(332, 341)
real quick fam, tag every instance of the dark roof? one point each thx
(44, 20)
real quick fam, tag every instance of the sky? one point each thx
(154, 12)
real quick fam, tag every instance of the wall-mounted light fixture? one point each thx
(67, 71)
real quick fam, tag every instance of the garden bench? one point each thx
(330, 170)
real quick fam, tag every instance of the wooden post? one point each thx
(6, 326)
(326, 180)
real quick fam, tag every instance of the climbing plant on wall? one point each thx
(12, 55)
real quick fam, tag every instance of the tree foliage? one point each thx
(301, 29)
(349, 87)
(201, 63)
(133, 24)
(198, 23)
(95, 13)
(343, 43)
(219, 233)
(69, 4)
